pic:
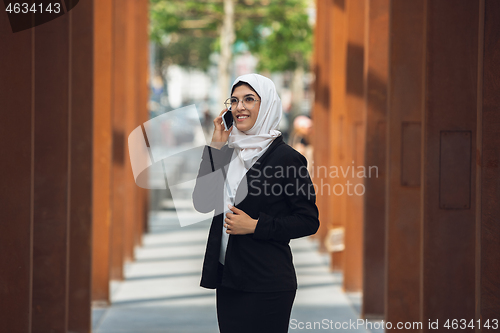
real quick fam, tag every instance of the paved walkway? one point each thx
(161, 291)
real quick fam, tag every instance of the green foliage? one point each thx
(186, 31)
(282, 38)
(277, 32)
(189, 51)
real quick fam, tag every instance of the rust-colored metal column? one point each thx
(81, 121)
(449, 146)
(336, 122)
(131, 94)
(16, 191)
(320, 116)
(488, 244)
(355, 144)
(405, 107)
(142, 112)
(118, 150)
(376, 65)
(52, 186)
(102, 136)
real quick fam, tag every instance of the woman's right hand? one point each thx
(220, 136)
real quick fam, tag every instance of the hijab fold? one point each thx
(252, 144)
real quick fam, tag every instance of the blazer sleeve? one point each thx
(301, 198)
(210, 179)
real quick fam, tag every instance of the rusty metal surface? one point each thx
(80, 217)
(354, 143)
(50, 143)
(130, 203)
(101, 180)
(337, 113)
(454, 170)
(51, 177)
(405, 102)
(431, 138)
(411, 150)
(142, 112)
(489, 268)
(451, 104)
(16, 167)
(376, 60)
(118, 151)
(321, 105)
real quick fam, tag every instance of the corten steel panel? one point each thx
(490, 167)
(355, 144)
(81, 19)
(16, 117)
(405, 107)
(454, 170)
(336, 124)
(324, 185)
(141, 75)
(137, 222)
(411, 151)
(315, 63)
(118, 148)
(322, 124)
(52, 185)
(451, 104)
(145, 72)
(131, 202)
(102, 136)
(479, 163)
(376, 50)
(320, 115)
(70, 4)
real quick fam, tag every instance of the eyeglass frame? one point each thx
(255, 102)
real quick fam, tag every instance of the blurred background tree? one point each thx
(282, 40)
(186, 31)
(277, 32)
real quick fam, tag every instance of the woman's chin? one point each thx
(242, 128)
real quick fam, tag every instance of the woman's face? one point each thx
(243, 117)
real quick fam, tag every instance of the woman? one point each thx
(263, 197)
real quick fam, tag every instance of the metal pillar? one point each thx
(16, 192)
(449, 146)
(118, 151)
(336, 121)
(405, 107)
(354, 144)
(376, 46)
(80, 204)
(488, 164)
(102, 136)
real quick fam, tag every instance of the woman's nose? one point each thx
(240, 105)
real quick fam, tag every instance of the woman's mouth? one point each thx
(241, 117)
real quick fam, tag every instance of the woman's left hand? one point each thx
(238, 222)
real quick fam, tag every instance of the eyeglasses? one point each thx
(248, 103)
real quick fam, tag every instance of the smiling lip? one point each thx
(238, 119)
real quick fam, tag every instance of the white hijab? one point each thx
(252, 144)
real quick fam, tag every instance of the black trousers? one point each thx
(253, 312)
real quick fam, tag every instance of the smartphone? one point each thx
(227, 119)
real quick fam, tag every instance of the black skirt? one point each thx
(253, 312)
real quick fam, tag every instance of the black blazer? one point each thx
(280, 195)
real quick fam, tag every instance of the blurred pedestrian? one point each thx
(301, 136)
